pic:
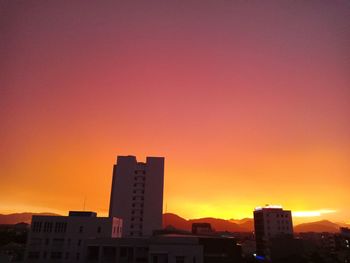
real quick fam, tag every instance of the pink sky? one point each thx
(247, 100)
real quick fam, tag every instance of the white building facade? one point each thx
(63, 238)
(137, 195)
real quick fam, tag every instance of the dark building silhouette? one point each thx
(270, 222)
(165, 249)
(63, 238)
(201, 229)
(137, 195)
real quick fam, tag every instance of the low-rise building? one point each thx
(164, 249)
(63, 238)
(202, 229)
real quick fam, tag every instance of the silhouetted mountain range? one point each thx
(19, 218)
(169, 219)
(319, 226)
(244, 225)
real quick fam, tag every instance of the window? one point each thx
(36, 227)
(60, 227)
(180, 259)
(79, 242)
(33, 255)
(58, 242)
(81, 228)
(56, 255)
(35, 241)
(57, 227)
(123, 252)
(99, 229)
(47, 227)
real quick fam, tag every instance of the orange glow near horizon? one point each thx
(248, 105)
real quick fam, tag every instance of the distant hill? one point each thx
(19, 218)
(216, 223)
(248, 224)
(319, 226)
(175, 221)
(241, 221)
(245, 225)
(221, 224)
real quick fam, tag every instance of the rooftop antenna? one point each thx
(84, 203)
(166, 211)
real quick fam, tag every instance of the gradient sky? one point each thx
(249, 101)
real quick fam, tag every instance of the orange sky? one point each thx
(248, 102)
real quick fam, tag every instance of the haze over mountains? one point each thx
(20, 218)
(173, 220)
(216, 223)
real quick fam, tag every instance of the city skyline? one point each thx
(247, 102)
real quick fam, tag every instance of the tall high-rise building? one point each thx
(137, 194)
(271, 222)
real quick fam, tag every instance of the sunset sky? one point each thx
(249, 102)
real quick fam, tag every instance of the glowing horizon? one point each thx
(298, 216)
(248, 101)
